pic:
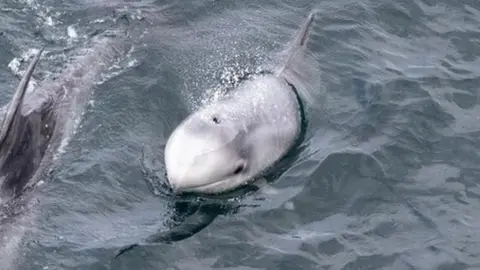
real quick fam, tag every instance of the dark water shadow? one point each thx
(190, 212)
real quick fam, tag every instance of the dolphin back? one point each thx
(15, 135)
(12, 129)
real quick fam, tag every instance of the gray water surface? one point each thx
(385, 178)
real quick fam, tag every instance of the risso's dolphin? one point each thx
(34, 126)
(227, 143)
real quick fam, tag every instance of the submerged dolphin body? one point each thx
(36, 124)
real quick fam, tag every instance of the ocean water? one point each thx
(385, 177)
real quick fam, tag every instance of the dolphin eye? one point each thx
(216, 120)
(239, 169)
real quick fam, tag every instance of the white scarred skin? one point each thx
(227, 143)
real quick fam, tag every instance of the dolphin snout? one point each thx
(178, 185)
(187, 180)
(171, 184)
(179, 181)
(174, 182)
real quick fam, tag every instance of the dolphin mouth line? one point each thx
(202, 187)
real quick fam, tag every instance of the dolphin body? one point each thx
(24, 137)
(34, 125)
(296, 70)
(230, 142)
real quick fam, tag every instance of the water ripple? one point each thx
(386, 178)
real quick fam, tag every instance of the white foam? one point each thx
(14, 65)
(102, 20)
(16, 62)
(289, 205)
(71, 32)
(49, 21)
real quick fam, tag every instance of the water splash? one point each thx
(16, 62)
(234, 72)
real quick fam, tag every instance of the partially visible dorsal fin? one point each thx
(299, 69)
(14, 109)
(299, 42)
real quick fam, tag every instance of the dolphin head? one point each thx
(207, 153)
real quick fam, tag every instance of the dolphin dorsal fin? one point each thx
(300, 42)
(14, 110)
(300, 69)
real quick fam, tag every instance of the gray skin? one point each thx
(228, 143)
(34, 125)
